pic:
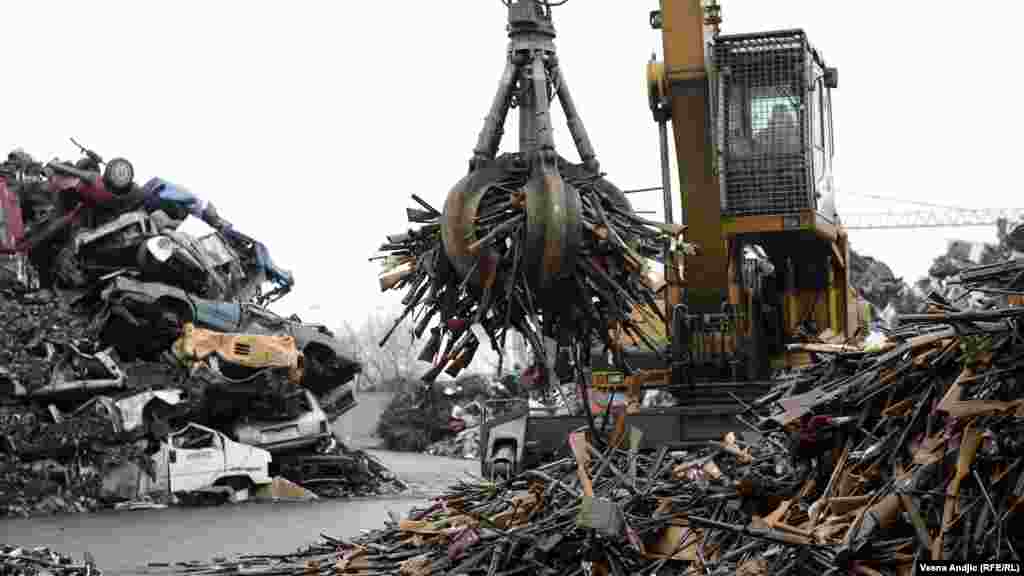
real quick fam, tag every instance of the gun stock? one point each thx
(424, 322)
(418, 216)
(390, 279)
(434, 372)
(464, 358)
(432, 346)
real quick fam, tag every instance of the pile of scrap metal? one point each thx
(884, 458)
(18, 561)
(414, 420)
(873, 461)
(439, 418)
(120, 331)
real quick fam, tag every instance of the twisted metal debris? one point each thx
(17, 561)
(868, 461)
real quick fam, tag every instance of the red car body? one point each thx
(12, 228)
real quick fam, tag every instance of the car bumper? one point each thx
(288, 444)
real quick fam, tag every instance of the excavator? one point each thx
(751, 119)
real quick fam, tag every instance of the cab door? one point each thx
(195, 458)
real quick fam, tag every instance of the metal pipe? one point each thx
(489, 140)
(575, 123)
(666, 174)
(527, 112)
(541, 106)
(666, 195)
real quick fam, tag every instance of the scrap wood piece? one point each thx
(781, 528)
(437, 527)
(418, 566)
(728, 444)
(780, 512)
(353, 560)
(677, 541)
(841, 505)
(953, 405)
(899, 409)
(923, 359)
(931, 449)
(969, 443)
(830, 532)
(466, 538)
(577, 442)
(823, 348)
(752, 567)
(822, 504)
(864, 570)
(519, 511)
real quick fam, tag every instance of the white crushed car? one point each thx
(196, 457)
(310, 428)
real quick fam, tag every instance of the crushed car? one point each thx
(196, 457)
(192, 460)
(326, 364)
(137, 413)
(309, 428)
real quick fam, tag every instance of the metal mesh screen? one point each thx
(764, 145)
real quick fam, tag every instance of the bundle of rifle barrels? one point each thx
(608, 286)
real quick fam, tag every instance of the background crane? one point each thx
(935, 216)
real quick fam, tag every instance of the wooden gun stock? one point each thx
(390, 279)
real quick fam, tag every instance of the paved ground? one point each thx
(427, 475)
(124, 542)
(356, 427)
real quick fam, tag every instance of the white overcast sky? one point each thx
(309, 123)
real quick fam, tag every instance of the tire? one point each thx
(501, 462)
(500, 471)
(236, 483)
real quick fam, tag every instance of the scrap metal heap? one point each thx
(527, 241)
(874, 459)
(118, 327)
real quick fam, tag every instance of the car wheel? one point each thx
(501, 471)
(237, 483)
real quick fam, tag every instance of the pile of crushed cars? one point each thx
(139, 361)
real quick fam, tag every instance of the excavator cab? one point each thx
(772, 106)
(774, 114)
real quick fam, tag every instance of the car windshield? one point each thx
(193, 438)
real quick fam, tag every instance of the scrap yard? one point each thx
(136, 356)
(554, 378)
